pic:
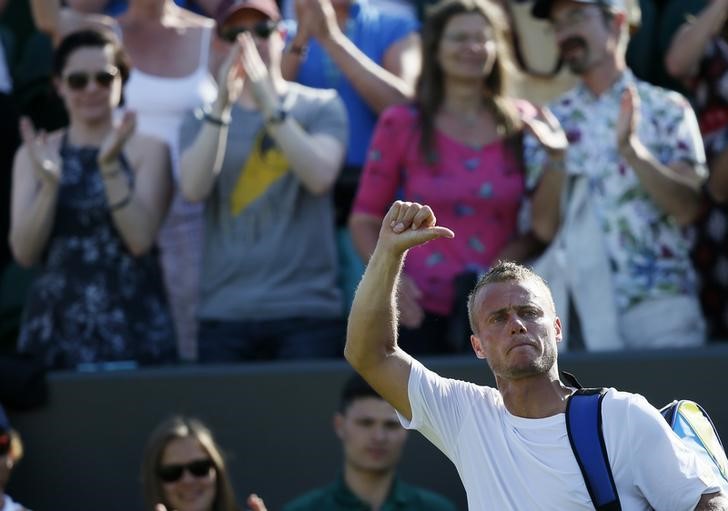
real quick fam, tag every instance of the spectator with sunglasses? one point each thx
(263, 157)
(11, 452)
(371, 57)
(183, 469)
(173, 53)
(87, 203)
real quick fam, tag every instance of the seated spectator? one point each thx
(11, 452)
(183, 469)
(629, 184)
(87, 203)
(458, 148)
(263, 158)
(172, 51)
(698, 56)
(372, 440)
(371, 57)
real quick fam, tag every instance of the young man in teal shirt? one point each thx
(372, 440)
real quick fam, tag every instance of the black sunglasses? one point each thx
(79, 80)
(197, 468)
(262, 29)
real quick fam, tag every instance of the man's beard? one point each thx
(577, 64)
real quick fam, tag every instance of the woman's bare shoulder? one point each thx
(192, 19)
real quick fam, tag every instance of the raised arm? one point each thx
(36, 177)
(675, 188)
(546, 198)
(689, 43)
(315, 158)
(380, 86)
(202, 160)
(718, 180)
(371, 340)
(57, 21)
(136, 210)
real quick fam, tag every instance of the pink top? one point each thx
(477, 192)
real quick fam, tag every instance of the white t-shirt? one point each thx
(511, 463)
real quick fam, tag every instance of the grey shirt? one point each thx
(269, 250)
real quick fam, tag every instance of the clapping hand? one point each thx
(257, 74)
(231, 75)
(321, 19)
(46, 160)
(629, 117)
(114, 142)
(545, 127)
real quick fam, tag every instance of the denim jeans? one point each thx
(277, 339)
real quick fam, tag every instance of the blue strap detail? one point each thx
(584, 426)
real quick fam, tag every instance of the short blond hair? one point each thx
(505, 271)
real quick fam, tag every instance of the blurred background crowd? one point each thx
(206, 196)
(203, 181)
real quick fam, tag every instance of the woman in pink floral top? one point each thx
(458, 149)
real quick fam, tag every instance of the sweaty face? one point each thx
(189, 492)
(517, 329)
(467, 49)
(371, 435)
(582, 35)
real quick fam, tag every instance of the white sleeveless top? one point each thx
(162, 102)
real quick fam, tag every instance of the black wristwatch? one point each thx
(276, 117)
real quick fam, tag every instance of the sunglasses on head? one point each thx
(80, 80)
(4, 443)
(197, 468)
(262, 29)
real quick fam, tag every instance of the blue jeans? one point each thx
(277, 339)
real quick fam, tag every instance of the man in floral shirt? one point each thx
(628, 184)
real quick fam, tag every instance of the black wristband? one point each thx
(122, 203)
(205, 115)
(295, 49)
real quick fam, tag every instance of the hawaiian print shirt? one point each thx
(648, 251)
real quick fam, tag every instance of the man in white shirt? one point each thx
(510, 444)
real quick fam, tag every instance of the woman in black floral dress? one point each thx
(87, 203)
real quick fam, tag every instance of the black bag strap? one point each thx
(584, 426)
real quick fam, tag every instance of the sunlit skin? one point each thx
(189, 493)
(371, 436)
(92, 106)
(467, 49)
(582, 35)
(517, 333)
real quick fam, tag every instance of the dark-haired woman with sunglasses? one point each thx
(173, 52)
(87, 203)
(184, 470)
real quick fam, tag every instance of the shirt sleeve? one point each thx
(439, 406)
(381, 176)
(667, 473)
(395, 28)
(330, 118)
(681, 140)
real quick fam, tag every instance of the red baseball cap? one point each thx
(229, 7)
